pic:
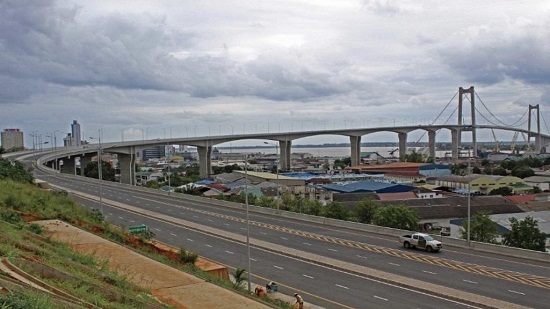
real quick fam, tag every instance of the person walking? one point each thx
(299, 301)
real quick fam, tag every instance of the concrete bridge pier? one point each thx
(455, 135)
(205, 161)
(286, 147)
(69, 166)
(431, 144)
(127, 163)
(355, 142)
(402, 144)
(84, 160)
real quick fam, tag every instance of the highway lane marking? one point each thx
(157, 229)
(310, 277)
(173, 234)
(196, 217)
(120, 217)
(243, 228)
(190, 239)
(209, 246)
(132, 221)
(334, 250)
(429, 272)
(253, 260)
(469, 281)
(342, 286)
(229, 252)
(110, 214)
(182, 213)
(533, 280)
(394, 264)
(169, 209)
(382, 298)
(362, 256)
(278, 267)
(516, 292)
(307, 244)
(210, 220)
(263, 233)
(284, 238)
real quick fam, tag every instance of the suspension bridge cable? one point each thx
(501, 122)
(451, 100)
(545, 125)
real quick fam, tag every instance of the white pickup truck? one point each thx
(420, 240)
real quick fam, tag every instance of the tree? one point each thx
(107, 171)
(335, 210)
(396, 216)
(499, 170)
(476, 170)
(413, 157)
(522, 172)
(482, 229)
(312, 207)
(501, 191)
(365, 210)
(525, 234)
(15, 170)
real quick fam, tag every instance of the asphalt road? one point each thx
(504, 278)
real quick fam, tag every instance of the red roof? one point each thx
(396, 196)
(521, 199)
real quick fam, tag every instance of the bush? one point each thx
(187, 257)
(10, 216)
(35, 228)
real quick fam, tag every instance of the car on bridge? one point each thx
(420, 240)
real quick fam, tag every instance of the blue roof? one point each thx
(434, 166)
(204, 182)
(368, 186)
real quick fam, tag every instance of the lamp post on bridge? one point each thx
(247, 219)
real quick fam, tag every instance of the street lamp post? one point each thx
(247, 218)
(469, 198)
(277, 167)
(99, 170)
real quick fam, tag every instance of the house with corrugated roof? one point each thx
(482, 184)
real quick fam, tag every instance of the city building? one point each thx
(12, 139)
(76, 134)
(156, 152)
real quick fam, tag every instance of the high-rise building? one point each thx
(75, 133)
(12, 139)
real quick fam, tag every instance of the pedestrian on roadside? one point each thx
(299, 301)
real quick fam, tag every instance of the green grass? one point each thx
(25, 240)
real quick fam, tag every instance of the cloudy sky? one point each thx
(149, 69)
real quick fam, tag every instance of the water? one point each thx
(339, 152)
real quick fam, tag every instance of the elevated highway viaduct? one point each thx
(129, 151)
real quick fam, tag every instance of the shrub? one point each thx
(187, 257)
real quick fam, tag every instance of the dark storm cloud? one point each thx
(43, 42)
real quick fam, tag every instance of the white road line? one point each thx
(173, 234)
(429, 272)
(333, 250)
(119, 217)
(310, 277)
(284, 238)
(227, 224)
(469, 281)
(253, 260)
(196, 217)
(132, 221)
(190, 239)
(243, 228)
(158, 207)
(209, 246)
(278, 267)
(157, 229)
(307, 244)
(182, 213)
(361, 256)
(229, 252)
(341, 286)
(110, 214)
(210, 220)
(394, 264)
(512, 291)
(263, 233)
(382, 298)
(169, 209)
